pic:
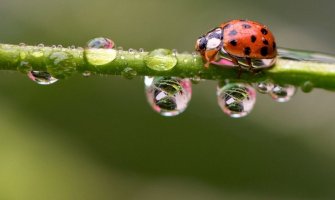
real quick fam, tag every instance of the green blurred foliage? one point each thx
(96, 138)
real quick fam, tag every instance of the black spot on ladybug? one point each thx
(246, 26)
(264, 51)
(202, 43)
(265, 41)
(247, 51)
(233, 32)
(264, 31)
(233, 42)
(274, 45)
(226, 26)
(253, 38)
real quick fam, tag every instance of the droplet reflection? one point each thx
(168, 96)
(236, 99)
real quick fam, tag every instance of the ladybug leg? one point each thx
(235, 61)
(251, 68)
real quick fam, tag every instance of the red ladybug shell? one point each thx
(244, 38)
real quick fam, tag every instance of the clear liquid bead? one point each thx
(264, 87)
(41, 77)
(168, 96)
(236, 99)
(100, 51)
(160, 60)
(282, 93)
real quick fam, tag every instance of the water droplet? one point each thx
(307, 86)
(282, 93)
(131, 51)
(72, 47)
(226, 60)
(60, 46)
(54, 46)
(141, 50)
(195, 79)
(264, 87)
(86, 73)
(129, 73)
(40, 45)
(236, 99)
(100, 51)
(100, 43)
(42, 78)
(160, 60)
(24, 67)
(22, 44)
(61, 64)
(174, 52)
(168, 96)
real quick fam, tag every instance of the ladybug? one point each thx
(239, 39)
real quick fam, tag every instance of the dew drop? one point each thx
(168, 96)
(129, 73)
(307, 86)
(60, 46)
(40, 45)
(236, 99)
(42, 78)
(141, 50)
(264, 87)
(86, 74)
(100, 51)
(22, 44)
(282, 93)
(61, 64)
(160, 60)
(131, 51)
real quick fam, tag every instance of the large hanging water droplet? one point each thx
(42, 78)
(236, 99)
(282, 93)
(264, 87)
(160, 60)
(100, 51)
(61, 65)
(226, 60)
(168, 96)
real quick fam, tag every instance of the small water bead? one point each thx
(236, 99)
(60, 46)
(42, 78)
(160, 60)
(100, 51)
(131, 51)
(264, 87)
(86, 74)
(282, 93)
(100, 43)
(22, 44)
(307, 86)
(61, 65)
(141, 50)
(40, 45)
(129, 73)
(168, 96)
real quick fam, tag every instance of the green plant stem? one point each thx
(292, 67)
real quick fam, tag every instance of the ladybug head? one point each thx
(210, 43)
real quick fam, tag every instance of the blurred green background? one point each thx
(97, 138)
